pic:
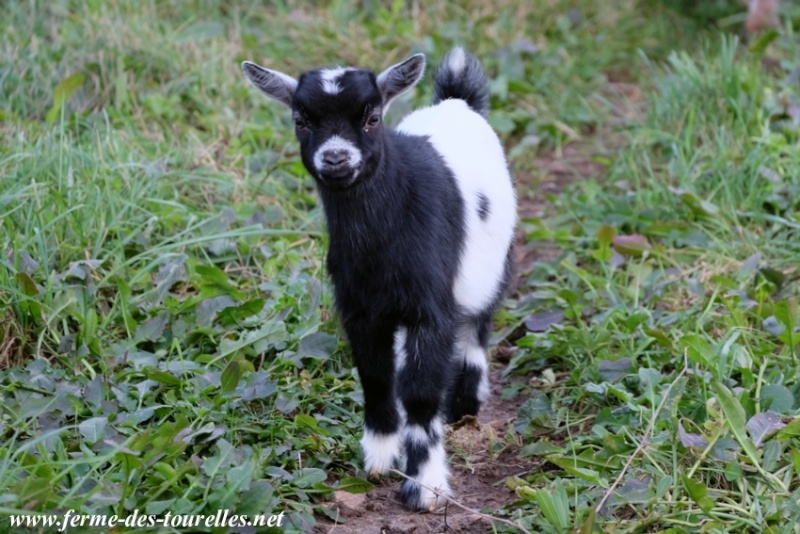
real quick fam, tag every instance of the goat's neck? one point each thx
(364, 214)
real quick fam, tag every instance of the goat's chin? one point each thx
(338, 180)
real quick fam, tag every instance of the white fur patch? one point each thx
(472, 150)
(417, 434)
(329, 79)
(476, 356)
(290, 82)
(400, 354)
(338, 143)
(381, 451)
(434, 474)
(456, 60)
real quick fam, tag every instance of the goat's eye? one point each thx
(373, 120)
(300, 121)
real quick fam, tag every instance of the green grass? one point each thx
(167, 341)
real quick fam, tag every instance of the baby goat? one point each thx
(421, 220)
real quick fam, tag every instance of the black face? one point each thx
(338, 121)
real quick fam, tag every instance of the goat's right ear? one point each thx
(400, 77)
(272, 83)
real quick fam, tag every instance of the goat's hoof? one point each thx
(463, 407)
(417, 497)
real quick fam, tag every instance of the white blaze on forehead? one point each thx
(337, 143)
(330, 79)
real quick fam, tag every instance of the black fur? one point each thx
(469, 85)
(483, 206)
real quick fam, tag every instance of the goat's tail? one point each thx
(461, 76)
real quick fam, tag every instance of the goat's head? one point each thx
(338, 114)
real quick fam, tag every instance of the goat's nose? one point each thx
(333, 158)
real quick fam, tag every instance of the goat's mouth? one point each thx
(338, 177)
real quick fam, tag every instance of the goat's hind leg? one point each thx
(470, 386)
(421, 384)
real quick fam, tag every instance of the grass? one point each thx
(167, 341)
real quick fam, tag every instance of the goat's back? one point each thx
(474, 154)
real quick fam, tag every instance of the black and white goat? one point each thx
(421, 220)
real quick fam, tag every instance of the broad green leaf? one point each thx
(539, 448)
(699, 493)
(64, 92)
(234, 314)
(258, 498)
(554, 505)
(355, 485)
(761, 425)
(94, 429)
(230, 377)
(605, 235)
(215, 282)
(749, 266)
(569, 465)
(792, 430)
(152, 329)
(161, 376)
(28, 286)
(631, 245)
(736, 419)
(759, 46)
(777, 398)
(588, 525)
(700, 351)
(733, 472)
(308, 476)
(796, 461)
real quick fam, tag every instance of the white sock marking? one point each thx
(381, 451)
(476, 357)
(434, 474)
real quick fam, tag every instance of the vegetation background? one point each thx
(166, 335)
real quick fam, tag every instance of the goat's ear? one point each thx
(400, 77)
(272, 83)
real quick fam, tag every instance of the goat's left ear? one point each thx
(400, 78)
(272, 83)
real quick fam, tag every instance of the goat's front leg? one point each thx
(422, 381)
(372, 347)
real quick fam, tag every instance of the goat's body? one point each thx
(421, 222)
(472, 151)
